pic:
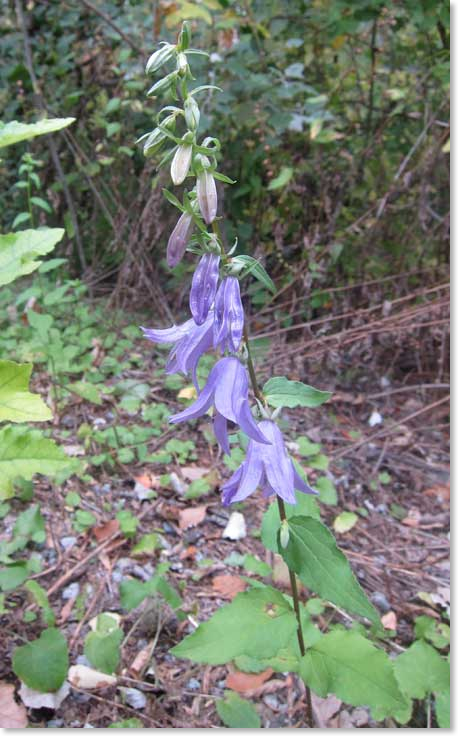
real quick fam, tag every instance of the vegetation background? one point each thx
(334, 121)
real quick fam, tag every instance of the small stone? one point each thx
(117, 576)
(168, 528)
(380, 600)
(55, 723)
(71, 591)
(82, 659)
(374, 419)
(193, 684)
(99, 422)
(385, 382)
(140, 572)
(142, 492)
(68, 542)
(236, 527)
(177, 484)
(271, 701)
(133, 697)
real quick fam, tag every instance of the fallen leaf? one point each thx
(105, 530)
(228, 585)
(35, 699)
(344, 522)
(441, 490)
(325, 708)
(188, 392)
(389, 621)
(148, 480)
(191, 516)
(280, 571)
(192, 472)
(236, 527)
(189, 553)
(242, 682)
(74, 450)
(88, 679)
(12, 715)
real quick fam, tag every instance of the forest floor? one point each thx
(384, 451)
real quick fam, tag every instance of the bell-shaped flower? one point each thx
(203, 289)
(227, 390)
(207, 196)
(191, 342)
(179, 239)
(229, 316)
(181, 163)
(268, 467)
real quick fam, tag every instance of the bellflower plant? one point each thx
(218, 322)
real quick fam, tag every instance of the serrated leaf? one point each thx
(17, 404)
(42, 664)
(312, 553)
(14, 132)
(235, 712)
(421, 670)
(24, 452)
(19, 251)
(260, 620)
(280, 391)
(349, 666)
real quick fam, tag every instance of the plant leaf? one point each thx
(19, 251)
(42, 664)
(24, 452)
(235, 712)
(280, 391)
(14, 131)
(421, 670)
(313, 554)
(17, 404)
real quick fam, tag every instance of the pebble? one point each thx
(193, 684)
(236, 527)
(142, 492)
(68, 542)
(117, 576)
(271, 701)
(380, 600)
(140, 572)
(168, 528)
(82, 659)
(133, 697)
(55, 723)
(71, 591)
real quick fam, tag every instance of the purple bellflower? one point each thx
(203, 289)
(227, 390)
(179, 239)
(267, 466)
(191, 342)
(229, 317)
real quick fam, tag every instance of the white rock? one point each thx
(385, 382)
(236, 527)
(142, 492)
(374, 419)
(34, 699)
(133, 697)
(88, 679)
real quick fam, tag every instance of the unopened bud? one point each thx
(181, 164)
(184, 39)
(179, 239)
(182, 65)
(160, 57)
(191, 113)
(163, 85)
(284, 534)
(207, 196)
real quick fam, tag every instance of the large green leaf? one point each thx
(14, 132)
(348, 665)
(19, 251)
(421, 670)
(313, 554)
(103, 649)
(235, 712)
(17, 404)
(258, 622)
(24, 452)
(42, 664)
(280, 391)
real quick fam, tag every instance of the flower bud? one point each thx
(179, 239)
(229, 316)
(207, 196)
(184, 39)
(181, 163)
(203, 289)
(163, 85)
(160, 57)
(191, 113)
(182, 65)
(154, 142)
(284, 534)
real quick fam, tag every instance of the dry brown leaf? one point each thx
(12, 715)
(192, 472)
(141, 661)
(191, 516)
(228, 585)
(242, 682)
(441, 490)
(189, 553)
(103, 531)
(389, 621)
(325, 708)
(148, 480)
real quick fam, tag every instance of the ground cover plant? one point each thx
(147, 578)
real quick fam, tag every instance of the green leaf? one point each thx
(260, 620)
(55, 296)
(40, 596)
(20, 218)
(421, 670)
(86, 390)
(282, 392)
(12, 576)
(42, 664)
(26, 452)
(254, 267)
(344, 522)
(30, 525)
(41, 203)
(348, 665)
(313, 554)
(19, 251)
(433, 631)
(235, 712)
(127, 723)
(258, 567)
(17, 404)
(442, 706)
(307, 448)
(83, 521)
(306, 506)
(283, 178)
(127, 522)
(103, 649)
(14, 131)
(148, 544)
(51, 264)
(327, 491)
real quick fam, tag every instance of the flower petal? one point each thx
(221, 434)
(169, 334)
(248, 425)
(301, 485)
(251, 474)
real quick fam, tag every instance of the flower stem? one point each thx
(281, 508)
